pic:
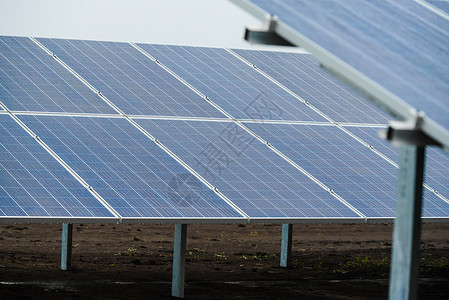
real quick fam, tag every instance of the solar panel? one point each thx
(34, 185)
(249, 173)
(302, 74)
(235, 87)
(400, 47)
(442, 5)
(132, 174)
(31, 80)
(129, 79)
(352, 170)
(437, 162)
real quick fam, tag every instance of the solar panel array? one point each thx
(151, 133)
(394, 50)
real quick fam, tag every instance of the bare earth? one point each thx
(332, 261)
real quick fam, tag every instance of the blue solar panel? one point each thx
(352, 170)
(134, 175)
(401, 45)
(437, 161)
(34, 184)
(250, 174)
(31, 80)
(133, 82)
(442, 5)
(302, 74)
(232, 85)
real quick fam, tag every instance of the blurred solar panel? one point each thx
(302, 74)
(442, 5)
(133, 82)
(249, 173)
(352, 170)
(232, 85)
(134, 175)
(31, 80)
(33, 184)
(399, 45)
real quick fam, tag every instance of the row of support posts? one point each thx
(179, 250)
(406, 235)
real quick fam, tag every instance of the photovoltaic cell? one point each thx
(231, 84)
(132, 81)
(401, 45)
(34, 184)
(32, 80)
(437, 162)
(134, 175)
(352, 170)
(246, 171)
(302, 74)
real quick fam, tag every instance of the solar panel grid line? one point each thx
(44, 113)
(436, 10)
(91, 87)
(152, 117)
(312, 123)
(281, 85)
(147, 134)
(435, 192)
(65, 65)
(181, 80)
(197, 175)
(62, 162)
(44, 219)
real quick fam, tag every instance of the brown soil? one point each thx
(222, 262)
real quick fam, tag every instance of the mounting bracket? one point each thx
(266, 35)
(408, 132)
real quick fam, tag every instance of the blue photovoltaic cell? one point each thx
(34, 184)
(302, 74)
(437, 162)
(132, 81)
(401, 45)
(32, 80)
(247, 172)
(440, 4)
(231, 84)
(134, 175)
(352, 170)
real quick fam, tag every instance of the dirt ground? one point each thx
(113, 261)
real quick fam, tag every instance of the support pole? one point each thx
(286, 244)
(179, 253)
(407, 227)
(66, 247)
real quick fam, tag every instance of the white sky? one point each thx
(212, 23)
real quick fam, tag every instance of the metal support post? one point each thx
(286, 244)
(407, 226)
(179, 253)
(66, 247)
